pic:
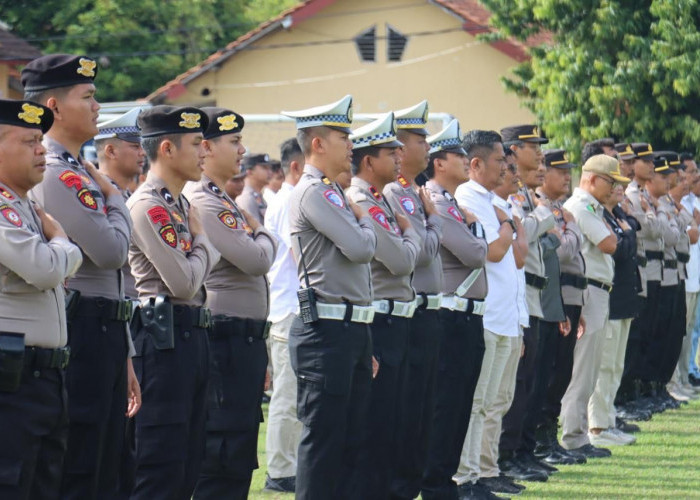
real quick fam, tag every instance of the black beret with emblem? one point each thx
(523, 133)
(556, 158)
(25, 114)
(625, 151)
(167, 120)
(643, 150)
(222, 121)
(58, 70)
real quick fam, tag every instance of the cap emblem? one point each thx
(31, 114)
(227, 122)
(190, 120)
(87, 67)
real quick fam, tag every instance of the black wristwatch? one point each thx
(512, 224)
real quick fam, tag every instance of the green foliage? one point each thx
(140, 44)
(623, 68)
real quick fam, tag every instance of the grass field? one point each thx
(664, 464)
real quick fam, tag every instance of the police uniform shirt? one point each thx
(100, 227)
(536, 221)
(649, 238)
(395, 255)
(337, 247)
(252, 202)
(588, 213)
(164, 257)
(237, 285)
(569, 252)
(32, 271)
(427, 277)
(671, 234)
(460, 250)
(129, 282)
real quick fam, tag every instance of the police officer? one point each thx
(463, 255)
(121, 160)
(375, 164)
(257, 175)
(330, 348)
(170, 257)
(93, 213)
(417, 398)
(35, 259)
(238, 297)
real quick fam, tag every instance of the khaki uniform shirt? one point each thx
(165, 259)
(237, 285)
(649, 237)
(461, 250)
(588, 213)
(252, 202)
(402, 197)
(396, 253)
(337, 247)
(536, 221)
(569, 252)
(32, 271)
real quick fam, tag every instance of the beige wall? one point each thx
(457, 74)
(4, 78)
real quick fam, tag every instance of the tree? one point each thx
(623, 68)
(139, 44)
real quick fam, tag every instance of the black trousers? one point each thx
(661, 335)
(639, 338)
(513, 421)
(545, 359)
(236, 382)
(333, 363)
(563, 367)
(459, 364)
(96, 382)
(674, 335)
(34, 423)
(169, 427)
(372, 478)
(416, 403)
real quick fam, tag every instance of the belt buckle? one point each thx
(125, 310)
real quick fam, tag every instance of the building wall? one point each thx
(4, 81)
(455, 72)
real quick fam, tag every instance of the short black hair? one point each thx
(359, 154)
(687, 156)
(150, 145)
(42, 96)
(480, 143)
(306, 135)
(289, 150)
(596, 148)
(430, 170)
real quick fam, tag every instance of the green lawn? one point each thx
(664, 463)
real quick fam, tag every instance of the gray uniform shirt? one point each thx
(101, 228)
(32, 271)
(396, 253)
(164, 257)
(460, 250)
(685, 218)
(237, 285)
(402, 197)
(649, 237)
(671, 234)
(129, 282)
(252, 202)
(536, 221)
(337, 247)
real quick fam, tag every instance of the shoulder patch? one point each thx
(228, 219)
(455, 214)
(326, 180)
(6, 194)
(409, 206)
(11, 215)
(334, 198)
(380, 217)
(168, 234)
(87, 199)
(402, 180)
(71, 180)
(158, 215)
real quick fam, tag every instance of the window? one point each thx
(366, 43)
(396, 43)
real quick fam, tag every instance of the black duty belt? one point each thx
(100, 307)
(651, 255)
(670, 264)
(226, 326)
(580, 282)
(600, 284)
(188, 315)
(683, 258)
(37, 358)
(539, 282)
(641, 261)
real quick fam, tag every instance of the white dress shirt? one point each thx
(692, 283)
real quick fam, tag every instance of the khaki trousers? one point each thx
(587, 355)
(601, 405)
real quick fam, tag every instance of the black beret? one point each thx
(523, 133)
(25, 114)
(251, 161)
(166, 120)
(556, 158)
(58, 70)
(222, 121)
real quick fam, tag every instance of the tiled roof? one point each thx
(14, 49)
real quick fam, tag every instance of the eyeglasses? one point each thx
(609, 181)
